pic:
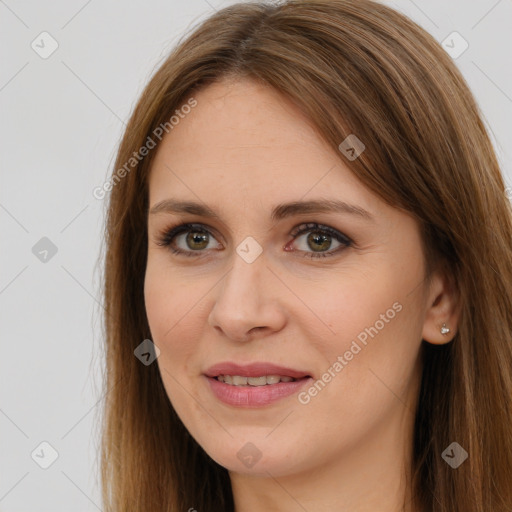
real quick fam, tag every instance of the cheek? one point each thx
(347, 308)
(172, 308)
(166, 295)
(164, 307)
(159, 302)
(374, 324)
(175, 315)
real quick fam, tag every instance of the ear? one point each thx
(443, 306)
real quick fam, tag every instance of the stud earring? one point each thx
(444, 330)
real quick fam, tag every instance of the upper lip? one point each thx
(257, 369)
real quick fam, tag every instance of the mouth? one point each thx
(254, 385)
(264, 380)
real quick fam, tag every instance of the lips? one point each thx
(244, 386)
(264, 380)
(254, 370)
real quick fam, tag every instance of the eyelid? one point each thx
(307, 227)
(170, 233)
(167, 236)
(310, 226)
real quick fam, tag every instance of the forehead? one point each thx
(236, 117)
(246, 138)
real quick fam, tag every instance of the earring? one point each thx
(444, 330)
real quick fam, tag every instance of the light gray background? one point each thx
(61, 121)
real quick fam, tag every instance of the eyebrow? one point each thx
(279, 211)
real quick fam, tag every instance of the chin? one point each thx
(259, 457)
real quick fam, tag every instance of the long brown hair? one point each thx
(353, 67)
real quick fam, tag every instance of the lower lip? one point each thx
(255, 396)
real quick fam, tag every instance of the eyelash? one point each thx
(166, 238)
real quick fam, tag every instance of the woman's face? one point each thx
(263, 293)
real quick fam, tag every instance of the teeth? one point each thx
(237, 380)
(257, 381)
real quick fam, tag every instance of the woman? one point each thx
(308, 275)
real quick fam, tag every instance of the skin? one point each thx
(243, 149)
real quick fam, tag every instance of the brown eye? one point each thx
(196, 240)
(187, 239)
(319, 240)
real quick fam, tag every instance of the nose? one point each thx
(246, 302)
